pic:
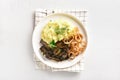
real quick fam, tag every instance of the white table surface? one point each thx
(102, 61)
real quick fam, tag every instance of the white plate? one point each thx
(36, 39)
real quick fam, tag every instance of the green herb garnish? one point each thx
(60, 30)
(52, 44)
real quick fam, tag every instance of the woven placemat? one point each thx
(41, 13)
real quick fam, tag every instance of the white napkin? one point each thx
(39, 14)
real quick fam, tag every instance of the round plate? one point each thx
(36, 39)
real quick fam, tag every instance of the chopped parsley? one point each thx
(60, 30)
(52, 44)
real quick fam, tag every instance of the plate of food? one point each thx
(59, 40)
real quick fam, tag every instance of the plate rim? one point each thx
(71, 17)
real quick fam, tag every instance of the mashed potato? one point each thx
(56, 31)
